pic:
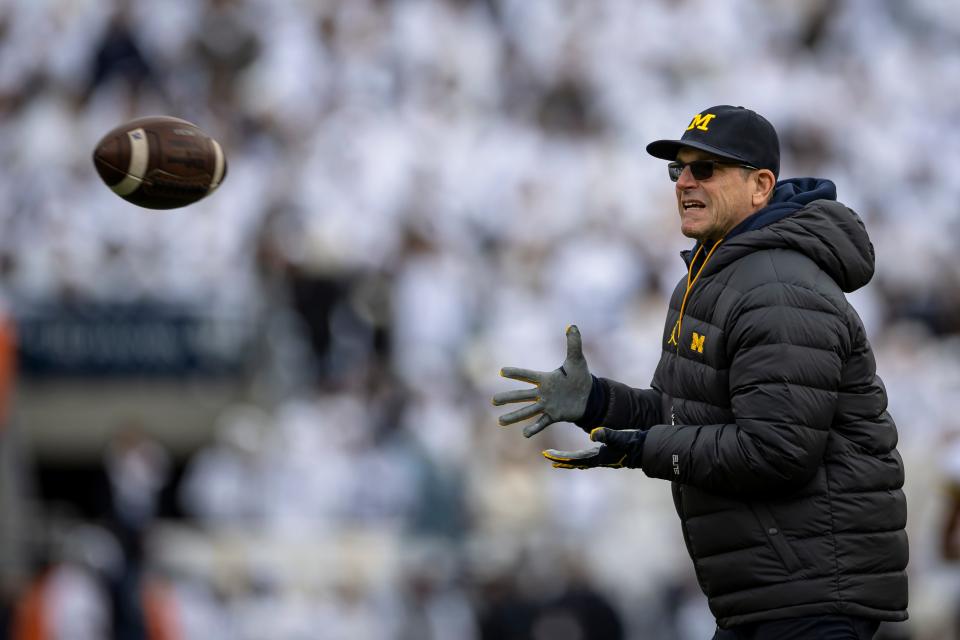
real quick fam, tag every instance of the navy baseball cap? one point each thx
(734, 133)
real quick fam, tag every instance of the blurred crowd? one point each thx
(420, 192)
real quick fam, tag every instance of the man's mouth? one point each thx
(692, 204)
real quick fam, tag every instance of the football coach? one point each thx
(765, 411)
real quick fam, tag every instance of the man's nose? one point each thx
(686, 179)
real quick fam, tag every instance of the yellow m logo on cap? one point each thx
(701, 120)
(697, 344)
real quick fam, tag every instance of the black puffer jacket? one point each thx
(769, 417)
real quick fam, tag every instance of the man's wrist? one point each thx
(596, 407)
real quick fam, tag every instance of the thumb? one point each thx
(574, 343)
(624, 439)
(608, 436)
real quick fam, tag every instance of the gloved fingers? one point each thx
(571, 457)
(520, 414)
(517, 395)
(558, 457)
(524, 375)
(585, 459)
(542, 423)
(574, 343)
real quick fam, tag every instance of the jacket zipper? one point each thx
(691, 281)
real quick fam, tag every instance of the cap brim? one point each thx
(668, 149)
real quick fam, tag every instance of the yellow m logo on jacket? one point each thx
(697, 344)
(701, 121)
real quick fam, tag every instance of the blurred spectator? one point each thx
(562, 602)
(579, 611)
(66, 596)
(505, 612)
(433, 601)
(62, 602)
(8, 363)
(137, 469)
(225, 43)
(220, 484)
(119, 59)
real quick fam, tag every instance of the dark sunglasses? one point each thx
(701, 169)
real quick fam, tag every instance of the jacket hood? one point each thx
(804, 216)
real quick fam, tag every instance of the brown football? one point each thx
(160, 162)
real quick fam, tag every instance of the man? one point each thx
(765, 410)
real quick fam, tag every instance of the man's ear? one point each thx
(765, 181)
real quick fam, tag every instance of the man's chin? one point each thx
(690, 231)
(695, 227)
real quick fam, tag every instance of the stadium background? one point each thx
(266, 415)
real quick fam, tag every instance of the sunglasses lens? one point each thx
(702, 169)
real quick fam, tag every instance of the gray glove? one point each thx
(559, 395)
(623, 448)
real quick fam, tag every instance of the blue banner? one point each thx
(141, 339)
